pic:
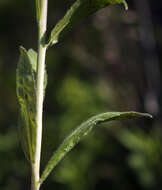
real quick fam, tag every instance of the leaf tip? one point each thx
(125, 5)
(143, 115)
(150, 116)
(22, 49)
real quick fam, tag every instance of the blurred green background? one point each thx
(109, 62)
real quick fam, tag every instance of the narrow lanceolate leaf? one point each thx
(82, 131)
(26, 93)
(78, 11)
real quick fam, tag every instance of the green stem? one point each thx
(42, 25)
(34, 184)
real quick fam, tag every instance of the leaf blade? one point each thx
(82, 131)
(78, 11)
(26, 95)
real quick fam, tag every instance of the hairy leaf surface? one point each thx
(82, 131)
(78, 11)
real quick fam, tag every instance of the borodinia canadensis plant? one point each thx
(31, 84)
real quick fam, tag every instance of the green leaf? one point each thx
(38, 9)
(82, 131)
(78, 11)
(26, 93)
(33, 59)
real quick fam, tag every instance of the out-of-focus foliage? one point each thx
(102, 66)
(145, 157)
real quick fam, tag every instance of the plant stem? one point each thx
(42, 25)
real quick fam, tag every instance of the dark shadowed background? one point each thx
(109, 62)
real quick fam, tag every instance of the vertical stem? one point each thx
(42, 25)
